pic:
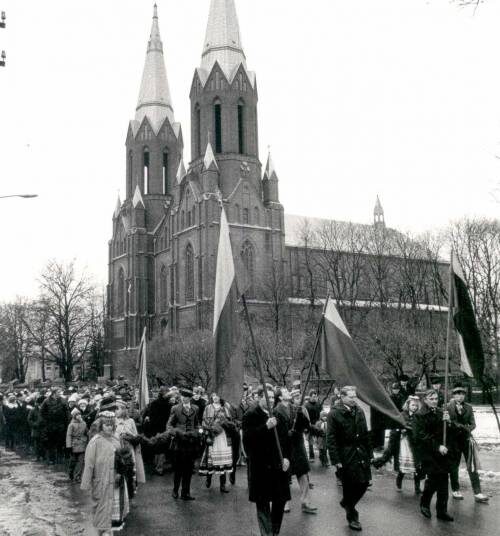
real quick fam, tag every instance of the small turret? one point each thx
(138, 209)
(378, 214)
(270, 183)
(210, 171)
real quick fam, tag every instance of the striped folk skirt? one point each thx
(217, 458)
(406, 460)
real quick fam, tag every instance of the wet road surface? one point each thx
(36, 500)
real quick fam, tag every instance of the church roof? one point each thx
(137, 199)
(181, 171)
(223, 42)
(378, 207)
(118, 207)
(270, 169)
(154, 100)
(209, 159)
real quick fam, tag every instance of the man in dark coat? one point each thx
(349, 445)
(462, 423)
(184, 425)
(156, 418)
(267, 474)
(55, 415)
(314, 408)
(433, 454)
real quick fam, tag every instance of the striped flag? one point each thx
(143, 376)
(337, 355)
(228, 362)
(464, 319)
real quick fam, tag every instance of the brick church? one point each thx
(162, 254)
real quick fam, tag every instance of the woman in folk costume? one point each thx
(217, 458)
(126, 431)
(402, 442)
(105, 465)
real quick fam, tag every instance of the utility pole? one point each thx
(2, 25)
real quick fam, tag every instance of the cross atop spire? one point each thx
(270, 169)
(154, 100)
(222, 39)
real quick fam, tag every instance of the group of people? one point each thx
(272, 430)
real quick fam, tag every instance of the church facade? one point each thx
(162, 254)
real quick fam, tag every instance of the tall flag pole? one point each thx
(143, 376)
(337, 355)
(448, 336)
(228, 361)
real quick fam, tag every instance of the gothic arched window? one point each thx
(246, 215)
(237, 213)
(163, 288)
(130, 170)
(165, 172)
(248, 260)
(145, 163)
(218, 126)
(241, 127)
(197, 130)
(120, 294)
(189, 272)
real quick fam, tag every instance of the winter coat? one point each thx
(290, 416)
(158, 413)
(266, 479)
(55, 416)
(99, 477)
(314, 409)
(184, 425)
(12, 414)
(77, 436)
(428, 433)
(461, 424)
(349, 442)
(35, 422)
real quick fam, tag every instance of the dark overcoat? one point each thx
(461, 424)
(299, 462)
(184, 425)
(266, 479)
(428, 432)
(349, 443)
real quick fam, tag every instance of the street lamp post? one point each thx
(25, 196)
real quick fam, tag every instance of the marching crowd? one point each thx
(105, 441)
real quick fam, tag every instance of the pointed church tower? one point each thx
(270, 183)
(154, 140)
(378, 215)
(224, 101)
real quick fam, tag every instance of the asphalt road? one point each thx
(383, 511)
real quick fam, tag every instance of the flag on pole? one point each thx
(464, 319)
(143, 377)
(337, 355)
(228, 362)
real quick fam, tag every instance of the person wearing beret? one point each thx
(462, 423)
(184, 425)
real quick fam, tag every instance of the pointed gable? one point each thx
(209, 162)
(137, 200)
(181, 171)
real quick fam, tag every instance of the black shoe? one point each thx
(444, 516)
(426, 512)
(175, 494)
(399, 480)
(208, 482)
(232, 479)
(223, 489)
(355, 525)
(187, 498)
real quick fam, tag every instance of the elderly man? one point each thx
(462, 423)
(434, 455)
(267, 474)
(349, 445)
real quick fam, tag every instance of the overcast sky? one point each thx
(358, 98)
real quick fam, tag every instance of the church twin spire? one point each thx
(155, 100)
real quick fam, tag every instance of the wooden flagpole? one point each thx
(261, 373)
(448, 336)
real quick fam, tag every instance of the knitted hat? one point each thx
(294, 393)
(75, 411)
(73, 398)
(83, 402)
(107, 416)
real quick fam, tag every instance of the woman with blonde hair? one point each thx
(217, 457)
(402, 444)
(105, 465)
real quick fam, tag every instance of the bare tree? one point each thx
(275, 292)
(16, 343)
